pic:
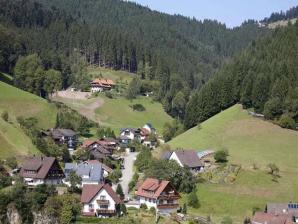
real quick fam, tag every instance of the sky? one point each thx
(230, 12)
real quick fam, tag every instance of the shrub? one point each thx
(152, 210)
(221, 156)
(5, 116)
(12, 162)
(286, 121)
(138, 107)
(192, 199)
(109, 95)
(143, 206)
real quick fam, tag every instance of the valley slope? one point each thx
(250, 142)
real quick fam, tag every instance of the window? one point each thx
(104, 206)
(102, 197)
(170, 202)
(90, 206)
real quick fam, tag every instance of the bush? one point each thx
(143, 206)
(286, 121)
(152, 210)
(138, 107)
(192, 199)
(221, 156)
(5, 116)
(109, 95)
(12, 162)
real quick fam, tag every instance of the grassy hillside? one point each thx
(13, 141)
(21, 103)
(96, 72)
(249, 141)
(117, 113)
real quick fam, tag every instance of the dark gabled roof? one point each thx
(189, 158)
(267, 218)
(90, 191)
(166, 155)
(59, 132)
(133, 130)
(41, 165)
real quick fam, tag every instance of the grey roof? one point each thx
(94, 172)
(189, 158)
(166, 155)
(133, 130)
(282, 208)
(205, 153)
(123, 137)
(57, 133)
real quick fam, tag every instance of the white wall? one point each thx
(103, 192)
(175, 157)
(149, 204)
(130, 136)
(96, 89)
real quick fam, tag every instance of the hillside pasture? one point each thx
(253, 144)
(100, 72)
(20, 103)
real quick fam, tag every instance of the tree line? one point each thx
(263, 77)
(292, 13)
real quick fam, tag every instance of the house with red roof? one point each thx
(41, 170)
(100, 85)
(100, 201)
(159, 194)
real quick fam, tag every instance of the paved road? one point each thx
(127, 173)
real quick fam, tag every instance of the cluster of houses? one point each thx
(277, 213)
(98, 198)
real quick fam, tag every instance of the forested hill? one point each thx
(180, 53)
(263, 77)
(292, 13)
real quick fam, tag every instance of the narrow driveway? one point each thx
(127, 173)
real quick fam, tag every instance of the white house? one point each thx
(41, 170)
(187, 158)
(160, 195)
(100, 201)
(149, 128)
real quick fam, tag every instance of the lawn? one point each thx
(13, 142)
(21, 103)
(96, 72)
(249, 141)
(117, 113)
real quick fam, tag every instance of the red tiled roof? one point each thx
(145, 132)
(41, 165)
(90, 191)
(87, 143)
(153, 185)
(267, 218)
(108, 82)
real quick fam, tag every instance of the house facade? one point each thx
(65, 136)
(100, 201)
(187, 158)
(41, 170)
(160, 195)
(100, 85)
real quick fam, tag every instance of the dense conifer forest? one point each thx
(292, 13)
(263, 77)
(174, 54)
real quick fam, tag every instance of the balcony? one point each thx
(169, 197)
(103, 202)
(167, 206)
(105, 211)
